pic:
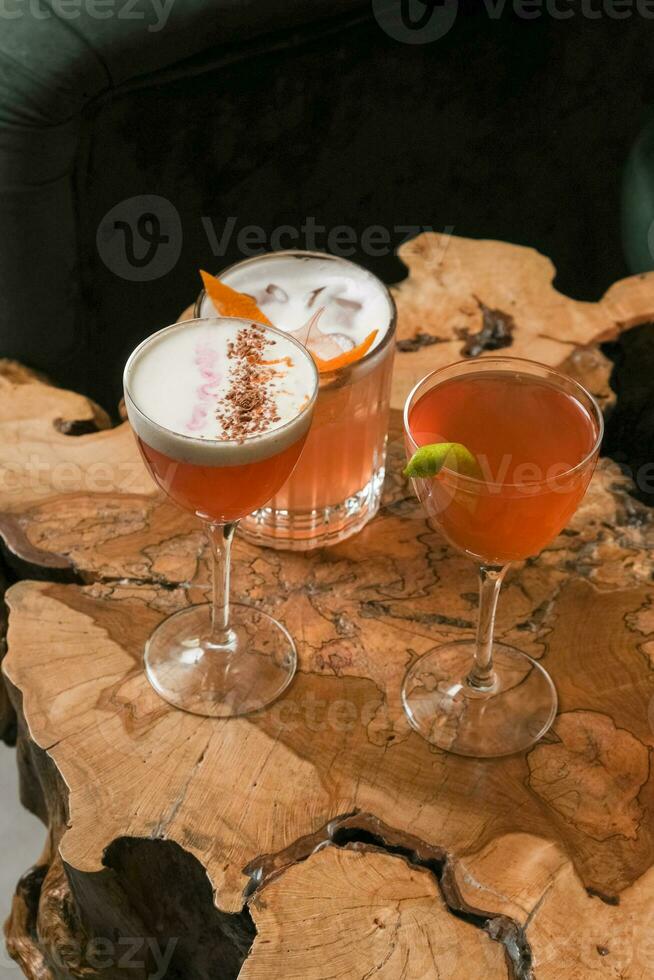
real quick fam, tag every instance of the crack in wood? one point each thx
(366, 833)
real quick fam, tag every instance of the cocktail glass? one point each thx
(223, 658)
(536, 435)
(336, 487)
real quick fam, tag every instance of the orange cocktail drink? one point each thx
(221, 408)
(528, 436)
(336, 486)
(222, 493)
(501, 452)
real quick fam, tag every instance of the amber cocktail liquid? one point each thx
(527, 435)
(221, 493)
(336, 486)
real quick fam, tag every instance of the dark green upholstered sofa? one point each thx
(638, 202)
(211, 115)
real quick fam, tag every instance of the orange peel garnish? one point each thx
(229, 302)
(347, 357)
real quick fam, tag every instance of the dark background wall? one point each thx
(505, 128)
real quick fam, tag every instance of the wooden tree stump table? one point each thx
(324, 838)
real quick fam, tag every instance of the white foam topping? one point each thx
(290, 287)
(181, 385)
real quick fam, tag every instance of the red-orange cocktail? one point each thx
(516, 443)
(528, 436)
(221, 408)
(222, 493)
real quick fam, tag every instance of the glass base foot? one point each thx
(250, 670)
(303, 530)
(451, 714)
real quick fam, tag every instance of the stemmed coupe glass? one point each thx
(221, 408)
(524, 442)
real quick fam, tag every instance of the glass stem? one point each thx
(482, 676)
(220, 538)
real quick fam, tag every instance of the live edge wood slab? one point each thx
(323, 838)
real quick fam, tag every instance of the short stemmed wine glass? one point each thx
(533, 435)
(220, 407)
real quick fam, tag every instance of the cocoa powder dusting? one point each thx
(248, 407)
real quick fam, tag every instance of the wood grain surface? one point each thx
(323, 837)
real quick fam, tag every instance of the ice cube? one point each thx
(323, 345)
(343, 308)
(345, 343)
(348, 304)
(276, 293)
(313, 295)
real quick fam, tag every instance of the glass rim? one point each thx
(475, 482)
(195, 440)
(294, 252)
